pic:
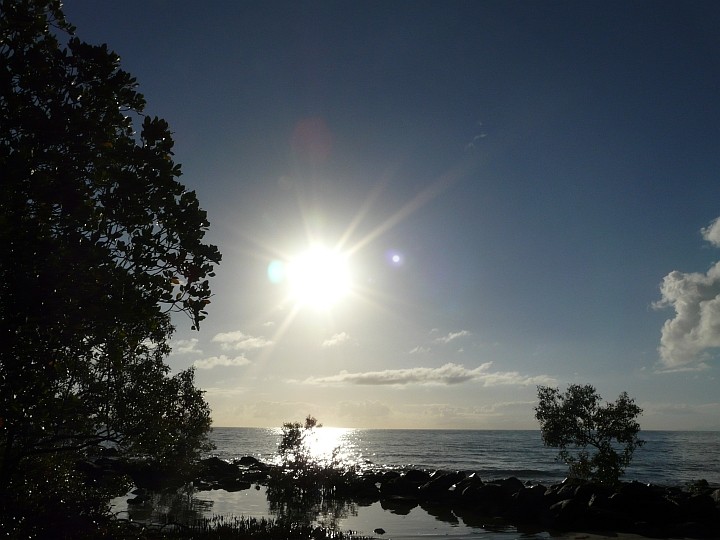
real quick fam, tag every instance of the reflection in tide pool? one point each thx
(399, 521)
(668, 458)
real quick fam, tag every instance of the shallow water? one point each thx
(399, 522)
(668, 458)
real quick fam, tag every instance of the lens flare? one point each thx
(276, 272)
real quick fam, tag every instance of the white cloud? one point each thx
(222, 360)
(420, 350)
(688, 338)
(474, 412)
(448, 374)
(240, 341)
(185, 346)
(336, 339)
(711, 233)
(452, 336)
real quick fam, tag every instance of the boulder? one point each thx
(233, 485)
(486, 499)
(214, 468)
(510, 485)
(567, 514)
(418, 476)
(399, 486)
(247, 461)
(528, 504)
(700, 507)
(437, 487)
(398, 505)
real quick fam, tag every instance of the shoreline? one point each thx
(416, 503)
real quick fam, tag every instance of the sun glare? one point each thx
(319, 278)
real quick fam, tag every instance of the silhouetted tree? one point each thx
(99, 243)
(576, 420)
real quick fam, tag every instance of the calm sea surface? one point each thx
(668, 458)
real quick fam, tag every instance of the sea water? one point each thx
(667, 458)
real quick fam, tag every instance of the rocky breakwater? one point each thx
(631, 507)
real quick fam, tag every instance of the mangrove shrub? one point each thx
(596, 441)
(99, 244)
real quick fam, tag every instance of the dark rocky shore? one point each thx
(631, 507)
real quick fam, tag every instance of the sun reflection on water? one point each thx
(331, 445)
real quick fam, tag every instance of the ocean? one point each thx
(667, 458)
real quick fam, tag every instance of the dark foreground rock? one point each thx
(571, 505)
(631, 507)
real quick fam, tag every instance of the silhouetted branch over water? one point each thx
(100, 244)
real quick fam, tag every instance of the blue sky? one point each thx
(545, 174)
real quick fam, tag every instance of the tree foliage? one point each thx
(100, 243)
(307, 485)
(576, 422)
(294, 448)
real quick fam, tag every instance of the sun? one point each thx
(319, 278)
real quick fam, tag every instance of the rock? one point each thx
(136, 501)
(214, 468)
(458, 488)
(568, 514)
(399, 486)
(398, 505)
(379, 530)
(247, 461)
(487, 499)
(254, 476)
(698, 508)
(417, 476)
(235, 485)
(388, 475)
(439, 484)
(510, 485)
(528, 504)
(361, 489)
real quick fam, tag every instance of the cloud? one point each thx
(711, 233)
(336, 339)
(222, 360)
(186, 346)
(687, 339)
(452, 336)
(474, 412)
(420, 350)
(449, 374)
(240, 341)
